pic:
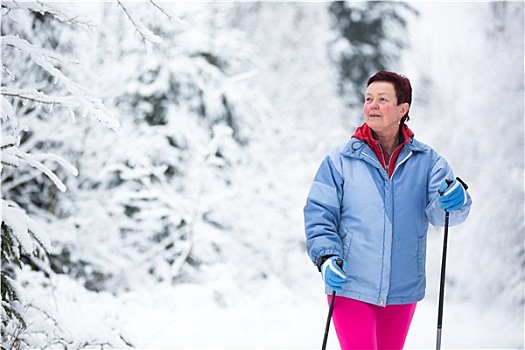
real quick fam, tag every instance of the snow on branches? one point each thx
(25, 235)
(79, 96)
(147, 35)
(43, 44)
(46, 7)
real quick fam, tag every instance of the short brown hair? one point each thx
(401, 86)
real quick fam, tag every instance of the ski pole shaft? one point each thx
(443, 269)
(329, 318)
(442, 284)
(330, 311)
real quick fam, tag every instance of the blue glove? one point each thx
(453, 195)
(333, 274)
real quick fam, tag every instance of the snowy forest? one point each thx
(156, 156)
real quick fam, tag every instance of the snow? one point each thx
(21, 225)
(254, 287)
(188, 317)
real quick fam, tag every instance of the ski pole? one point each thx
(330, 311)
(443, 267)
(327, 328)
(442, 284)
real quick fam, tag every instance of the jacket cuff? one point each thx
(322, 259)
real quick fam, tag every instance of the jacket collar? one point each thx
(355, 147)
(366, 134)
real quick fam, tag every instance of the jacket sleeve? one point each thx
(440, 171)
(322, 212)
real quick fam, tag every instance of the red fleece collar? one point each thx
(366, 134)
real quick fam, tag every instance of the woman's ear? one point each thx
(404, 108)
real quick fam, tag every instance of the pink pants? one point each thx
(366, 326)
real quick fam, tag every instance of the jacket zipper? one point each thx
(387, 164)
(401, 162)
(381, 301)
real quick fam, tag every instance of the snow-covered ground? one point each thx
(300, 325)
(189, 317)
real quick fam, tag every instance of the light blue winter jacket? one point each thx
(378, 225)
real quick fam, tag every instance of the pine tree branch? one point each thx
(79, 97)
(147, 35)
(161, 10)
(48, 8)
(35, 161)
(40, 97)
(178, 21)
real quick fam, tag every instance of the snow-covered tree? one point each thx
(185, 120)
(36, 78)
(44, 88)
(142, 196)
(370, 36)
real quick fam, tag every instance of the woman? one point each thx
(369, 206)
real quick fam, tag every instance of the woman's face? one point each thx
(382, 114)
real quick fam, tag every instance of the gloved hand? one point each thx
(452, 195)
(333, 272)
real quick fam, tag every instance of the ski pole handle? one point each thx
(465, 186)
(450, 181)
(339, 262)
